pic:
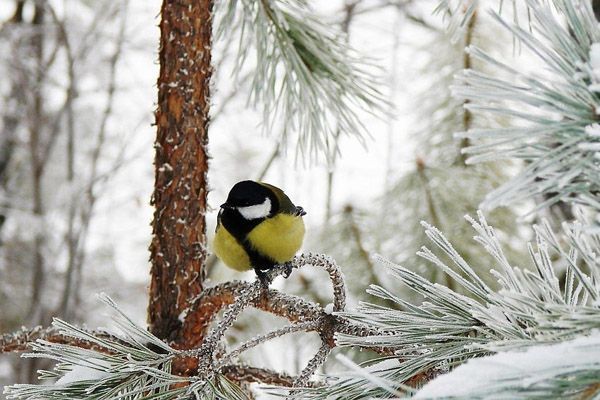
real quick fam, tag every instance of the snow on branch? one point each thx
(563, 370)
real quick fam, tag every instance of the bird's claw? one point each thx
(263, 278)
(287, 269)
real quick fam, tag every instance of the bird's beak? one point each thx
(226, 206)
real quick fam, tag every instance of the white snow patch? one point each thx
(594, 65)
(165, 167)
(587, 146)
(5, 369)
(84, 373)
(593, 130)
(480, 375)
(182, 315)
(595, 55)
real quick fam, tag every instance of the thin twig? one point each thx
(302, 326)
(267, 166)
(210, 343)
(467, 117)
(242, 373)
(71, 93)
(312, 365)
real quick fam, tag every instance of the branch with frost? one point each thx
(299, 327)
(211, 301)
(205, 309)
(244, 373)
(207, 355)
(556, 111)
(305, 76)
(23, 339)
(531, 307)
(134, 362)
(295, 309)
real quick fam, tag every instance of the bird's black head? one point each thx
(251, 200)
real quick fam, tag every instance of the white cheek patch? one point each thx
(257, 211)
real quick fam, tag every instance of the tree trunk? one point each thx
(178, 248)
(35, 137)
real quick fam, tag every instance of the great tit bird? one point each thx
(258, 227)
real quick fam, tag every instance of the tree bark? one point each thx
(178, 248)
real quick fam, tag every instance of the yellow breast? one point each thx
(227, 248)
(278, 238)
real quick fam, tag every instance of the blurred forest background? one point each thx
(76, 147)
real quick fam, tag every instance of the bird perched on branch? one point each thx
(258, 227)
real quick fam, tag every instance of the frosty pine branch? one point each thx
(555, 114)
(134, 362)
(307, 78)
(530, 308)
(554, 303)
